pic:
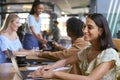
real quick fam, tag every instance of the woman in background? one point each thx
(9, 38)
(99, 61)
(33, 37)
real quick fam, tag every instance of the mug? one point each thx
(21, 59)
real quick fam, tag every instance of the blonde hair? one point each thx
(7, 22)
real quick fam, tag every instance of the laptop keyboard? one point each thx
(25, 73)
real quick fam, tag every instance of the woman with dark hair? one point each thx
(99, 61)
(105, 39)
(33, 36)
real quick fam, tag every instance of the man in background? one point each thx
(55, 31)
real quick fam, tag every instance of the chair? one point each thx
(117, 44)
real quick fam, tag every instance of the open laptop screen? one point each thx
(21, 74)
(14, 63)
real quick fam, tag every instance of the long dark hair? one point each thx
(75, 26)
(35, 3)
(105, 39)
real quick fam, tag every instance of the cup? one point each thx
(21, 59)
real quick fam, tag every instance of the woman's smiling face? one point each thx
(39, 9)
(91, 31)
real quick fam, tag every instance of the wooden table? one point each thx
(7, 72)
(37, 59)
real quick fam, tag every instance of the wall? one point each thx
(111, 9)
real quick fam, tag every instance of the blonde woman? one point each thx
(9, 38)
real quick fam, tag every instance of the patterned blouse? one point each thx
(105, 56)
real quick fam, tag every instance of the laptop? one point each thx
(21, 74)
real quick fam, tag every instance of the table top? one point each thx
(7, 72)
(37, 59)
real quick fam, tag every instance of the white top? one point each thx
(34, 23)
(12, 45)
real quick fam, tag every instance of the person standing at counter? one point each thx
(9, 38)
(99, 61)
(33, 36)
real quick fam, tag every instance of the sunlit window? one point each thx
(45, 20)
